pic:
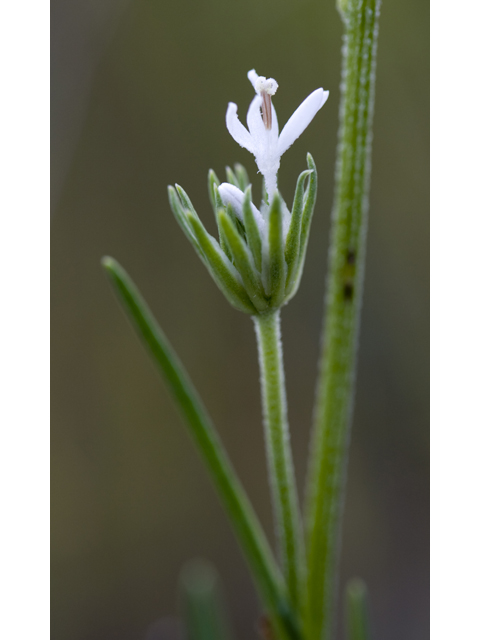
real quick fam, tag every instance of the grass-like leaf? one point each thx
(243, 261)
(221, 269)
(242, 176)
(245, 523)
(231, 177)
(213, 181)
(292, 243)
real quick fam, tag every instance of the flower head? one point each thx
(262, 137)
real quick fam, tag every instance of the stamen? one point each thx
(266, 89)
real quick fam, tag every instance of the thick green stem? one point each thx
(279, 455)
(328, 462)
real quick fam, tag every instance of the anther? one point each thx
(266, 89)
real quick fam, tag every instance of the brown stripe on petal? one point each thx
(266, 110)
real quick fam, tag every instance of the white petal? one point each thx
(236, 129)
(255, 121)
(274, 123)
(253, 77)
(300, 120)
(230, 194)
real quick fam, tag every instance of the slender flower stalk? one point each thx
(334, 406)
(279, 454)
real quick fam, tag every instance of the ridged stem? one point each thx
(335, 390)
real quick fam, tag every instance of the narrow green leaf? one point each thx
(231, 177)
(242, 176)
(217, 207)
(202, 606)
(243, 261)
(292, 244)
(185, 200)
(181, 218)
(277, 268)
(244, 520)
(213, 181)
(358, 623)
(221, 269)
(252, 233)
(309, 200)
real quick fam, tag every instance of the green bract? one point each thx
(258, 268)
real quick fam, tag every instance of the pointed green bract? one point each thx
(242, 176)
(221, 269)
(244, 264)
(251, 229)
(277, 267)
(185, 200)
(231, 177)
(309, 200)
(181, 217)
(358, 623)
(213, 181)
(235, 221)
(217, 207)
(262, 271)
(292, 243)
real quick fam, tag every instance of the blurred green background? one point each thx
(139, 94)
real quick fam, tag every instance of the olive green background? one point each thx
(139, 94)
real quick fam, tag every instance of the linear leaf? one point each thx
(231, 177)
(243, 261)
(221, 269)
(181, 218)
(212, 182)
(242, 176)
(244, 520)
(292, 243)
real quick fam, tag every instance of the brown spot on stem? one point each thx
(348, 290)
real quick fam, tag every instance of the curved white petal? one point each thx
(253, 77)
(300, 120)
(255, 122)
(274, 123)
(236, 129)
(230, 194)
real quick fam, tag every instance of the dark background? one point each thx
(139, 94)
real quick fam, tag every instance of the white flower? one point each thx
(262, 137)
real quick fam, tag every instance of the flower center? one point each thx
(266, 89)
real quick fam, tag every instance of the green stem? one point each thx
(279, 455)
(245, 523)
(335, 390)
